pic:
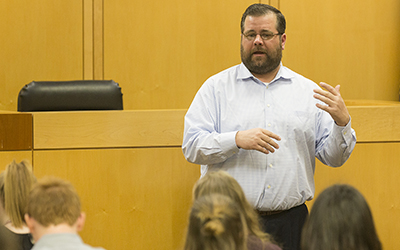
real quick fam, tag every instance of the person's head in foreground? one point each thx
(340, 219)
(220, 182)
(53, 207)
(216, 222)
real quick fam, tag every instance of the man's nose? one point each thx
(258, 40)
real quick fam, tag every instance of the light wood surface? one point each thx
(41, 40)
(351, 43)
(99, 129)
(133, 198)
(6, 157)
(161, 52)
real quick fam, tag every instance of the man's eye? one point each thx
(266, 36)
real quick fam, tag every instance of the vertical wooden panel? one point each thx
(41, 40)
(98, 39)
(162, 51)
(351, 43)
(133, 198)
(88, 40)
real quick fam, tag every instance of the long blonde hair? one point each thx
(15, 184)
(221, 182)
(216, 223)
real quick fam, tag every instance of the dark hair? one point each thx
(340, 219)
(260, 9)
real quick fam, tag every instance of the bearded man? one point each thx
(264, 124)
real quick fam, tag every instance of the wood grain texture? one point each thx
(101, 129)
(15, 131)
(133, 198)
(42, 40)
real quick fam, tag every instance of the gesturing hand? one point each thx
(335, 104)
(257, 139)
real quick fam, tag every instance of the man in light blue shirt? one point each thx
(264, 124)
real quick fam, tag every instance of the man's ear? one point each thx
(30, 222)
(283, 40)
(80, 223)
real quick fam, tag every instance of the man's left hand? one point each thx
(335, 103)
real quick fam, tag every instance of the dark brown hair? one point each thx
(340, 219)
(260, 9)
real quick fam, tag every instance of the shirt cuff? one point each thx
(228, 143)
(343, 132)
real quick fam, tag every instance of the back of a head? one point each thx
(15, 184)
(53, 201)
(220, 182)
(340, 219)
(216, 223)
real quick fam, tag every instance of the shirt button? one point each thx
(269, 124)
(345, 133)
(268, 186)
(268, 105)
(270, 165)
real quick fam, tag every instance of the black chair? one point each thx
(70, 96)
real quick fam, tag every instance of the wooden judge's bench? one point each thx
(135, 184)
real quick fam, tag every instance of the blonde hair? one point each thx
(53, 201)
(216, 223)
(220, 182)
(15, 183)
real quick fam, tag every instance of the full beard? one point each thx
(262, 65)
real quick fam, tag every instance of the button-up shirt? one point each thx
(234, 100)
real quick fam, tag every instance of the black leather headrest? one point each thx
(70, 95)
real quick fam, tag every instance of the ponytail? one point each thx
(18, 181)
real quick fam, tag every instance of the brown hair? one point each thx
(15, 183)
(216, 222)
(53, 201)
(340, 219)
(221, 182)
(260, 9)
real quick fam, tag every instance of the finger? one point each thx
(324, 99)
(272, 135)
(262, 149)
(328, 88)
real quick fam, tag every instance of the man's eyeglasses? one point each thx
(251, 36)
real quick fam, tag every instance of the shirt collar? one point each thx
(283, 73)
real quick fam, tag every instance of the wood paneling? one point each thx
(133, 198)
(15, 131)
(42, 40)
(351, 43)
(6, 157)
(99, 129)
(161, 52)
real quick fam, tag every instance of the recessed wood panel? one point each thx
(133, 198)
(15, 131)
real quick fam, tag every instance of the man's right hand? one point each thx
(257, 139)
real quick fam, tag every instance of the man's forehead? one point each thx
(264, 22)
